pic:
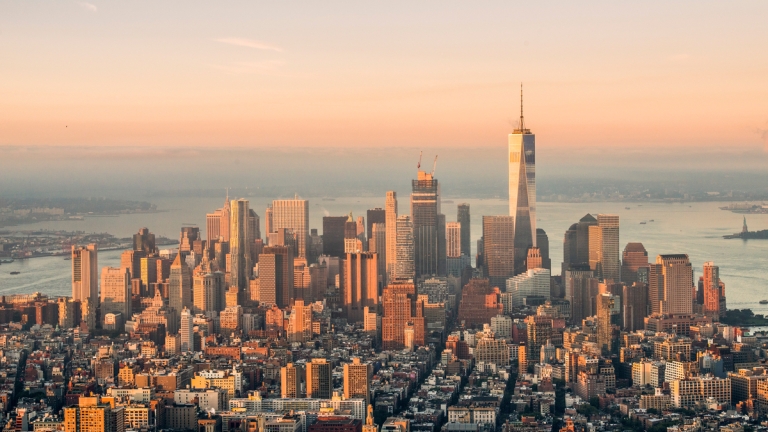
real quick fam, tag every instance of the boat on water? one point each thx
(15, 272)
(763, 301)
(650, 220)
(642, 223)
(626, 208)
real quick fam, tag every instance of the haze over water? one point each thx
(692, 228)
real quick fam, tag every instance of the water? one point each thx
(695, 229)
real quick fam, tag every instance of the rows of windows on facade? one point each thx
(384, 321)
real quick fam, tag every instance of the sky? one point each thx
(627, 75)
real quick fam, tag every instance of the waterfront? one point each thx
(692, 228)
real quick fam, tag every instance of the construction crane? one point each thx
(434, 165)
(418, 165)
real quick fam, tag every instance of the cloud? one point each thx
(249, 43)
(87, 6)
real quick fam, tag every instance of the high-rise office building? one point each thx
(115, 291)
(357, 376)
(542, 242)
(85, 273)
(290, 379)
(241, 237)
(579, 291)
(378, 244)
(714, 291)
(522, 189)
(390, 222)
(402, 309)
(208, 288)
(189, 234)
(144, 241)
(180, 287)
(463, 218)
(377, 215)
(294, 215)
(319, 379)
(606, 306)
(655, 286)
(677, 275)
(276, 276)
(539, 329)
(576, 242)
(300, 323)
(633, 257)
(404, 250)
(453, 239)
(424, 216)
(499, 249)
(361, 288)
(634, 306)
(604, 248)
(333, 235)
(269, 225)
(186, 331)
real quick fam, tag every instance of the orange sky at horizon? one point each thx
(346, 74)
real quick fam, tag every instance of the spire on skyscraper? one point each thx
(521, 128)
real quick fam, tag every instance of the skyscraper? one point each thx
(606, 305)
(576, 242)
(499, 254)
(319, 379)
(276, 275)
(453, 239)
(634, 306)
(378, 243)
(180, 287)
(463, 218)
(402, 309)
(116, 291)
(144, 241)
(634, 257)
(208, 290)
(241, 262)
(361, 288)
(678, 284)
(604, 248)
(522, 189)
(542, 242)
(377, 215)
(300, 322)
(404, 250)
(85, 273)
(294, 215)
(390, 216)
(186, 331)
(714, 291)
(333, 235)
(357, 377)
(424, 216)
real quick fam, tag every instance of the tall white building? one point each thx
(522, 188)
(294, 215)
(186, 331)
(534, 282)
(404, 267)
(116, 291)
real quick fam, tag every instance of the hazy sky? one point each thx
(337, 73)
